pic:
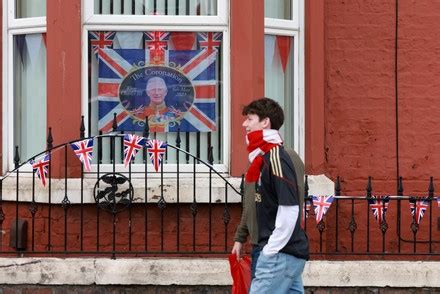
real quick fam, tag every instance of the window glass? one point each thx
(30, 8)
(281, 9)
(173, 78)
(278, 79)
(29, 61)
(156, 7)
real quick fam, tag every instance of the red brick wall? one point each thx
(160, 229)
(360, 105)
(360, 92)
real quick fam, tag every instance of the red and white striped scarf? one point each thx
(259, 143)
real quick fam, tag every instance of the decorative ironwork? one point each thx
(66, 202)
(2, 216)
(193, 208)
(113, 192)
(352, 226)
(33, 208)
(414, 227)
(162, 204)
(321, 226)
(383, 226)
(226, 216)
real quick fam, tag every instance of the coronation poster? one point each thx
(174, 88)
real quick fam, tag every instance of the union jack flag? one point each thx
(379, 207)
(84, 151)
(321, 205)
(210, 41)
(157, 44)
(418, 209)
(132, 144)
(199, 66)
(101, 40)
(41, 167)
(156, 149)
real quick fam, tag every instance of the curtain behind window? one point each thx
(29, 94)
(156, 7)
(278, 79)
(281, 9)
(30, 8)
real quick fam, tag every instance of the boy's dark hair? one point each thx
(266, 107)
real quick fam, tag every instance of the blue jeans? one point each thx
(279, 273)
(254, 257)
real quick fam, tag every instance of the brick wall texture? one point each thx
(360, 93)
(361, 108)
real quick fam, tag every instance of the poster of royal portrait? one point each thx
(175, 88)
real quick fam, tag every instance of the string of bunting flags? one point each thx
(84, 151)
(378, 205)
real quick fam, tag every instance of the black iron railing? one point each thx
(351, 229)
(183, 209)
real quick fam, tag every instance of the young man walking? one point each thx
(283, 243)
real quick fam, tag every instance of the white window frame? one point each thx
(12, 26)
(91, 18)
(173, 23)
(294, 28)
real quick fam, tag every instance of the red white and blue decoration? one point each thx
(321, 205)
(41, 167)
(132, 144)
(379, 207)
(101, 40)
(84, 151)
(418, 209)
(188, 81)
(156, 150)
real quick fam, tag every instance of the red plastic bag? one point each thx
(241, 274)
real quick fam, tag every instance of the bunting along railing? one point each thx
(65, 201)
(373, 224)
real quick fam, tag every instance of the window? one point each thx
(156, 7)
(131, 65)
(30, 8)
(24, 91)
(284, 63)
(29, 107)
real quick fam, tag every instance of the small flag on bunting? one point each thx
(438, 201)
(84, 151)
(183, 40)
(41, 167)
(210, 41)
(101, 40)
(418, 209)
(321, 205)
(156, 149)
(132, 144)
(379, 207)
(283, 43)
(157, 45)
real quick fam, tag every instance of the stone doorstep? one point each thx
(208, 271)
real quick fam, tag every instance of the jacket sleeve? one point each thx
(242, 231)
